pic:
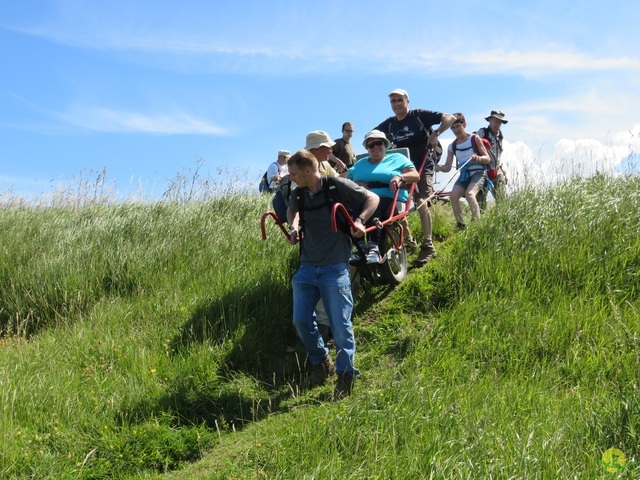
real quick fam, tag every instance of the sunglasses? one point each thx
(397, 100)
(375, 144)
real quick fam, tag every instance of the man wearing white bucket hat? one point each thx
(278, 169)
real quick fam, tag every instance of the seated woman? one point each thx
(383, 174)
(474, 158)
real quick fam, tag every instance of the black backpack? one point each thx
(331, 197)
(282, 198)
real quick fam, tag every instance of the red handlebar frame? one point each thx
(378, 224)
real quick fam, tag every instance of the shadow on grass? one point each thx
(259, 360)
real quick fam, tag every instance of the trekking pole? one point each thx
(434, 194)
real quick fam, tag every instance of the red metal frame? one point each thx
(378, 224)
(265, 215)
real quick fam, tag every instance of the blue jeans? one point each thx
(333, 285)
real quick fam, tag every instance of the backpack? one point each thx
(486, 134)
(282, 197)
(263, 186)
(331, 197)
(492, 173)
(486, 143)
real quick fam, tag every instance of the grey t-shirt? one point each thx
(320, 245)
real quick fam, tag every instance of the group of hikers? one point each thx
(308, 182)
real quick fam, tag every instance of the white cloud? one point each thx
(570, 158)
(250, 47)
(107, 120)
(542, 62)
(594, 113)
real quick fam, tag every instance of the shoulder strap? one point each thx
(330, 190)
(300, 201)
(421, 123)
(473, 144)
(332, 196)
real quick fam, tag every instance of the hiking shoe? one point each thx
(410, 245)
(427, 253)
(462, 225)
(320, 373)
(373, 256)
(343, 386)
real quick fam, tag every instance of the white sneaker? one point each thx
(373, 256)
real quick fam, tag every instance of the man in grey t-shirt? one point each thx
(324, 267)
(343, 148)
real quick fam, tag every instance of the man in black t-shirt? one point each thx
(414, 129)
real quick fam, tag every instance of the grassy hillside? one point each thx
(143, 339)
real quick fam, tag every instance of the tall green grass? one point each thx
(133, 333)
(148, 338)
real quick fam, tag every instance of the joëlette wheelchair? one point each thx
(392, 269)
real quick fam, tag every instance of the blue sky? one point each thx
(146, 88)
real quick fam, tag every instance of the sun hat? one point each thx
(376, 134)
(317, 139)
(284, 153)
(499, 114)
(399, 91)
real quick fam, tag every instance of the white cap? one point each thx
(399, 91)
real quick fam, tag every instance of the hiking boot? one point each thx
(373, 256)
(410, 245)
(427, 253)
(320, 373)
(462, 225)
(343, 386)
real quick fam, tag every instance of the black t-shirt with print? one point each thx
(409, 133)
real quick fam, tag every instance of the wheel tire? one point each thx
(394, 269)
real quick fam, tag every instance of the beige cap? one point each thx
(317, 139)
